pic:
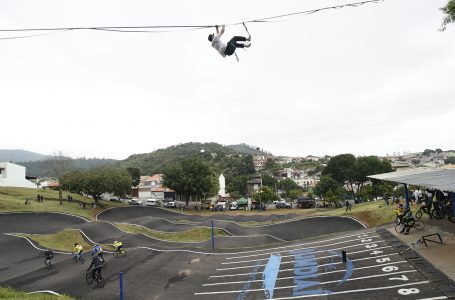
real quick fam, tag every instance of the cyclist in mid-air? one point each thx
(95, 266)
(78, 250)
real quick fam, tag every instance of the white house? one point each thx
(13, 175)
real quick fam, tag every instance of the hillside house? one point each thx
(13, 175)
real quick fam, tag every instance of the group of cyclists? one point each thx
(97, 262)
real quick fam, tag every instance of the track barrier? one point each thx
(425, 239)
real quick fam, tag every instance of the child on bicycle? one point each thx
(49, 254)
(78, 250)
(95, 266)
(408, 223)
(98, 251)
(118, 247)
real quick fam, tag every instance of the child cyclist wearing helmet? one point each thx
(408, 222)
(98, 251)
(78, 250)
(118, 247)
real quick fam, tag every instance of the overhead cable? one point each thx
(167, 28)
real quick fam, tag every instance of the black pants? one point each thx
(94, 270)
(234, 44)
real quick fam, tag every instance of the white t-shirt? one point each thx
(218, 44)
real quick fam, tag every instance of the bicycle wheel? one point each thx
(397, 220)
(398, 228)
(450, 216)
(437, 214)
(419, 225)
(100, 282)
(418, 214)
(89, 278)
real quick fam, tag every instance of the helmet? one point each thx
(115, 242)
(400, 205)
(75, 244)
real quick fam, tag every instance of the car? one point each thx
(170, 204)
(152, 202)
(283, 205)
(115, 199)
(135, 201)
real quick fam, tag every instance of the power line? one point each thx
(168, 28)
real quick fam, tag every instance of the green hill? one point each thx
(14, 155)
(247, 149)
(157, 161)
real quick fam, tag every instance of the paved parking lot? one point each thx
(373, 270)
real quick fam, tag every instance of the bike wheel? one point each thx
(450, 216)
(89, 278)
(75, 259)
(437, 214)
(398, 228)
(397, 220)
(419, 225)
(124, 251)
(418, 214)
(100, 282)
(114, 253)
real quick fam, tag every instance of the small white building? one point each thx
(13, 175)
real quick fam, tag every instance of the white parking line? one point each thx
(328, 256)
(356, 291)
(284, 270)
(266, 254)
(319, 274)
(364, 236)
(293, 286)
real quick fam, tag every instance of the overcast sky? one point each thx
(375, 79)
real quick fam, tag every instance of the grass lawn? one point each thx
(63, 240)
(370, 213)
(12, 294)
(198, 234)
(13, 199)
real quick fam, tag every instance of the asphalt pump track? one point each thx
(275, 261)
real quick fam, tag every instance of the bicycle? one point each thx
(422, 210)
(121, 252)
(100, 282)
(77, 258)
(48, 263)
(441, 210)
(417, 225)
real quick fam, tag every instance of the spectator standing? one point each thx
(386, 199)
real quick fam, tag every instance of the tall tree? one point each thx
(97, 181)
(449, 14)
(135, 175)
(58, 164)
(265, 194)
(352, 172)
(191, 177)
(237, 185)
